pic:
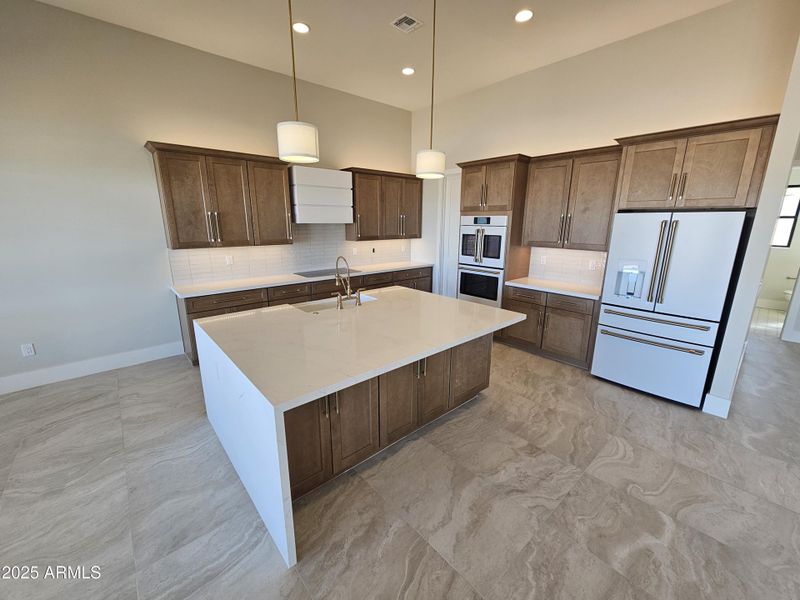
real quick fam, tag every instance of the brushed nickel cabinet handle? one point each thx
(358, 225)
(336, 399)
(209, 228)
(419, 368)
(682, 187)
(662, 285)
(560, 229)
(609, 311)
(672, 187)
(219, 231)
(568, 229)
(652, 288)
(326, 406)
(425, 367)
(546, 322)
(539, 321)
(631, 338)
(289, 224)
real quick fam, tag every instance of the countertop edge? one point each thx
(554, 289)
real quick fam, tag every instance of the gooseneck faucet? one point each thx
(344, 281)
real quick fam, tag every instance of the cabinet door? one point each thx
(230, 197)
(499, 186)
(718, 169)
(411, 208)
(424, 284)
(567, 333)
(188, 335)
(367, 200)
(529, 330)
(398, 403)
(546, 201)
(591, 201)
(650, 174)
(472, 180)
(354, 424)
(308, 445)
(469, 369)
(185, 199)
(391, 199)
(434, 387)
(270, 203)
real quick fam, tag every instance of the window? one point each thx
(784, 228)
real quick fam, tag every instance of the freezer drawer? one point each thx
(665, 326)
(673, 370)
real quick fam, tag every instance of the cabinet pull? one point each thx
(358, 225)
(546, 321)
(485, 195)
(560, 229)
(672, 187)
(219, 231)
(682, 187)
(402, 225)
(209, 228)
(289, 224)
(539, 320)
(655, 260)
(419, 368)
(568, 229)
(336, 400)
(326, 406)
(425, 367)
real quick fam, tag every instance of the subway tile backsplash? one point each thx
(576, 266)
(314, 247)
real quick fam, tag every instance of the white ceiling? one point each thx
(352, 46)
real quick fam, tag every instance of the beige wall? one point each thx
(726, 63)
(83, 260)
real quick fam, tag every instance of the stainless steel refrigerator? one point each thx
(665, 288)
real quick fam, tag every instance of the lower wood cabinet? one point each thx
(354, 424)
(567, 333)
(470, 364)
(529, 330)
(328, 436)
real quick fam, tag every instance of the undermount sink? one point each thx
(317, 306)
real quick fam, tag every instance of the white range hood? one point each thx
(321, 195)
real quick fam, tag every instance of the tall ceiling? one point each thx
(353, 47)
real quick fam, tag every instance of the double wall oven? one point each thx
(481, 258)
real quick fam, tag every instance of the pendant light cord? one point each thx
(294, 68)
(433, 70)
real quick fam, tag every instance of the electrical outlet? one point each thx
(228, 260)
(28, 350)
(355, 250)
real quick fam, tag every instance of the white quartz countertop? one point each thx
(557, 287)
(293, 357)
(252, 283)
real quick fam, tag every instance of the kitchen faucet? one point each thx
(344, 281)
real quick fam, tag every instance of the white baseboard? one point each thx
(30, 379)
(719, 407)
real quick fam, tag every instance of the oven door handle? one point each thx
(480, 271)
(481, 233)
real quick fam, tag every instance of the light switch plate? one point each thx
(228, 259)
(28, 350)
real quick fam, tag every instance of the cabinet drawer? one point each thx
(295, 300)
(526, 295)
(329, 286)
(377, 278)
(203, 303)
(413, 274)
(288, 291)
(580, 305)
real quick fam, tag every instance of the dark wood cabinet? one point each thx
(492, 184)
(270, 202)
(386, 205)
(570, 199)
(354, 424)
(398, 403)
(470, 364)
(529, 330)
(392, 198)
(212, 198)
(567, 333)
(366, 208)
(308, 445)
(411, 208)
(433, 394)
(713, 166)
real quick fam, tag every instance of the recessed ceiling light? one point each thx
(301, 27)
(524, 15)
(408, 71)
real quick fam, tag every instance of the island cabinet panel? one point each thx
(230, 196)
(270, 202)
(470, 364)
(308, 444)
(433, 392)
(354, 424)
(398, 403)
(567, 333)
(185, 199)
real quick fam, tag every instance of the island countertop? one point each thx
(292, 356)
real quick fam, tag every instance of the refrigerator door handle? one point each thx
(653, 343)
(662, 285)
(661, 231)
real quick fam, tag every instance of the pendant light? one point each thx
(298, 142)
(430, 162)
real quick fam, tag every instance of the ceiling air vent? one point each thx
(406, 23)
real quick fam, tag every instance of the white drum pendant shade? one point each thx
(298, 142)
(430, 164)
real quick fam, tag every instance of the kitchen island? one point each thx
(300, 393)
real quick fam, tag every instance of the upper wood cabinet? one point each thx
(217, 198)
(270, 202)
(714, 166)
(570, 199)
(493, 184)
(386, 205)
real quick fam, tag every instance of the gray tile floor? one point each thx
(551, 484)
